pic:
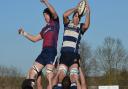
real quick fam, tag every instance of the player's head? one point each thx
(47, 15)
(76, 17)
(66, 82)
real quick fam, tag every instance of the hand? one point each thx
(76, 77)
(43, 1)
(78, 5)
(22, 32)
(87, 8)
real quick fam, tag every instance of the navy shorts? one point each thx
(47, 56)
(69, 58)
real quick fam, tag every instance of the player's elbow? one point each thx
(55, 15)
(85, 28)
(34, 40)
(65, 15)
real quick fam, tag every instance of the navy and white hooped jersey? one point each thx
(71, 37)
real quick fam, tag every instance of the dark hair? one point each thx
(46, 10)
(66, 82)
(79, 16)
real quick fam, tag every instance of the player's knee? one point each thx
(63, 70)
(49, 70)
(49, 73)
(28, 84)
(74, 71)
(35, 69)
(74, 74)
(33, 73)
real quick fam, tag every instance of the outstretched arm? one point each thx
(87, 16)
(28, 36)
(51, 8)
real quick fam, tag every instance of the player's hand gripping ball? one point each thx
(82, 8)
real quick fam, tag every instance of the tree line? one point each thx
(105, 65)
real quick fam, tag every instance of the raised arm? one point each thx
(82, 79)
(87, 16)
(78, 84)
(68, 13)
(50, 7)
(28, 36)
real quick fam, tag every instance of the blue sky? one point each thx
(108, 18)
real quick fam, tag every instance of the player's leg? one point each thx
(62, 73)
(74, 76)
(29, 82)
(49, 75)
(50, 59)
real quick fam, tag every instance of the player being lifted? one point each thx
(49, 34)
(73, 30)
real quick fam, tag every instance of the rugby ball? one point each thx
(82, 8)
